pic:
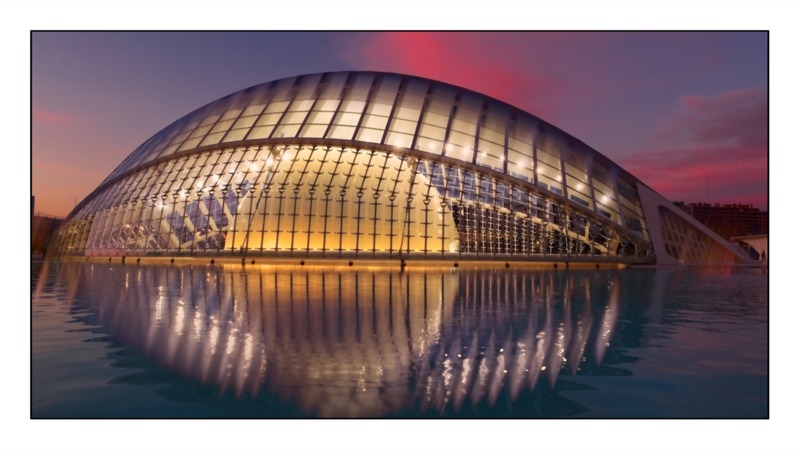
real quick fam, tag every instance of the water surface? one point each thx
(130, 341)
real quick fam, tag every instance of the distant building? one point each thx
(730, 220)
(42, 227)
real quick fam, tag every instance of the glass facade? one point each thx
(362, 164)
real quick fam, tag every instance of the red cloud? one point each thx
(737, 117)
(470, 60)
(717, 174)
(719, 150)
(43, 116)
(719, 140)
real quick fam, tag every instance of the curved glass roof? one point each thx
(376, 108)
(400, 112)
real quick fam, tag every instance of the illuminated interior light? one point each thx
(219, 179)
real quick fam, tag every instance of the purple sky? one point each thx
(633, 97)
(684, 111)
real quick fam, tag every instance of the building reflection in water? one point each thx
(350, 343)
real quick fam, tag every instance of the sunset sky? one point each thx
(686, 112)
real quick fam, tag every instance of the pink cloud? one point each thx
(724, 174)
(44, 116)
(720, 140)
(718, 146)
(496, 64)
(736, 117)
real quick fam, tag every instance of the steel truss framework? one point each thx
(307, 200)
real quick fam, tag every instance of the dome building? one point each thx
(368, 165)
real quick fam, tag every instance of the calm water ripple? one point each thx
(112, 340)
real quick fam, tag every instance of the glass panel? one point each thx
(360, 87)
(253, 110)
(579, 197)
(268, 119)
(276, 107)
(415, 92)
(283, 89)
(379, 109)
(627, 192)
(453, 183)
(245, 122)
(578, 185)
(314, 131)
(377, 122)
(231, 114)
(308, 86)
(236, 135)
(260, 132)
(469, 186)
(497, 137)
(429, 145)
(200, 131)
(286, 131)
(399, 139)
(603, 187)
(404, 126)
(189, 144)
(387, 91)
(222, 126)
(210, 119)
(407, 113)
(370, 135)
(490, 155)
(326, 105)
(464, 126)
(334, 88)
(432, 132)
(294, 117)
(435, 119)
(492, 149)
(547, 158)
(347, 119)
(301, 105)
(352, 106)
(551, 184)
(442, 100)
(461, 141)
(341, 132)
(520, 166)
(320, 117)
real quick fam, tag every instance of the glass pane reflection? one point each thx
(370, 342)
(363, 343)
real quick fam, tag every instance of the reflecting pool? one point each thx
(162, 340)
